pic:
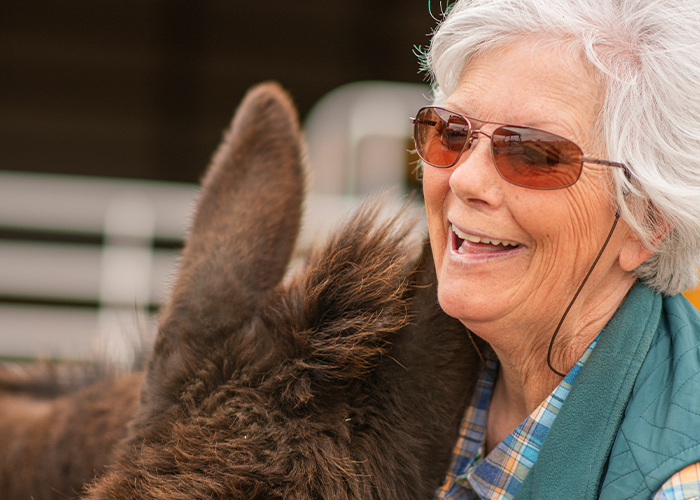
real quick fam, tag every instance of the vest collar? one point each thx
(573, 457)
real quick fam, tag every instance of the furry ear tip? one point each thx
(267, 92)
(269, 87)
(266, 112)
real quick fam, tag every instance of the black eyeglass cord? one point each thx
(551, 343)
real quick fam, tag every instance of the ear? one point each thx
(243, 233)
(634, 251)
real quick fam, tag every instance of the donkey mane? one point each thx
(345, 382)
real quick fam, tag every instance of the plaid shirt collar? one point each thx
(499, 475)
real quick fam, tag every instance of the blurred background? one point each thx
(143, 88)
(110, 111)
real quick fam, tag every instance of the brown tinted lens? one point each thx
(534, 158)
(440, 136)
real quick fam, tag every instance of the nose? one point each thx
(475, 178)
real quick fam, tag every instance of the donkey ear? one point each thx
(246, 223)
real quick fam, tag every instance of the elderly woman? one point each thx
(562, 189)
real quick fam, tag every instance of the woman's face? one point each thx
(506, 255)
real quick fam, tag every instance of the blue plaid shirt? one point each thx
(499, 475)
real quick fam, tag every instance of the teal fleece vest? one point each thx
(632, 418)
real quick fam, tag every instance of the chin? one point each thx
(460, 301)
(452, 301)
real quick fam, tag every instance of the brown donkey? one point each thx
(345, 382)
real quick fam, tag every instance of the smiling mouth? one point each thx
(468, 243)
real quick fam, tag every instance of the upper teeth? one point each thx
(478, 239)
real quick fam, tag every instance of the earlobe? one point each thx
(633, 253)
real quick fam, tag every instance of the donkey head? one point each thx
(345, 382)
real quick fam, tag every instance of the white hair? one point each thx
(646, 54)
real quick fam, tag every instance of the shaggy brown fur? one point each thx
(348, 382)
(49, 447)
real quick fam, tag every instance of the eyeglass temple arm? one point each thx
(628, 174)
(607, 163)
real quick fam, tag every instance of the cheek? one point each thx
(568, 228)
(436, 185)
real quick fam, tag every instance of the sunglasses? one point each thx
(523, 156)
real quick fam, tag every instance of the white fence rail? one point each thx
(80, 256)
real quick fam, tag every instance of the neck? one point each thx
(524, 379)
